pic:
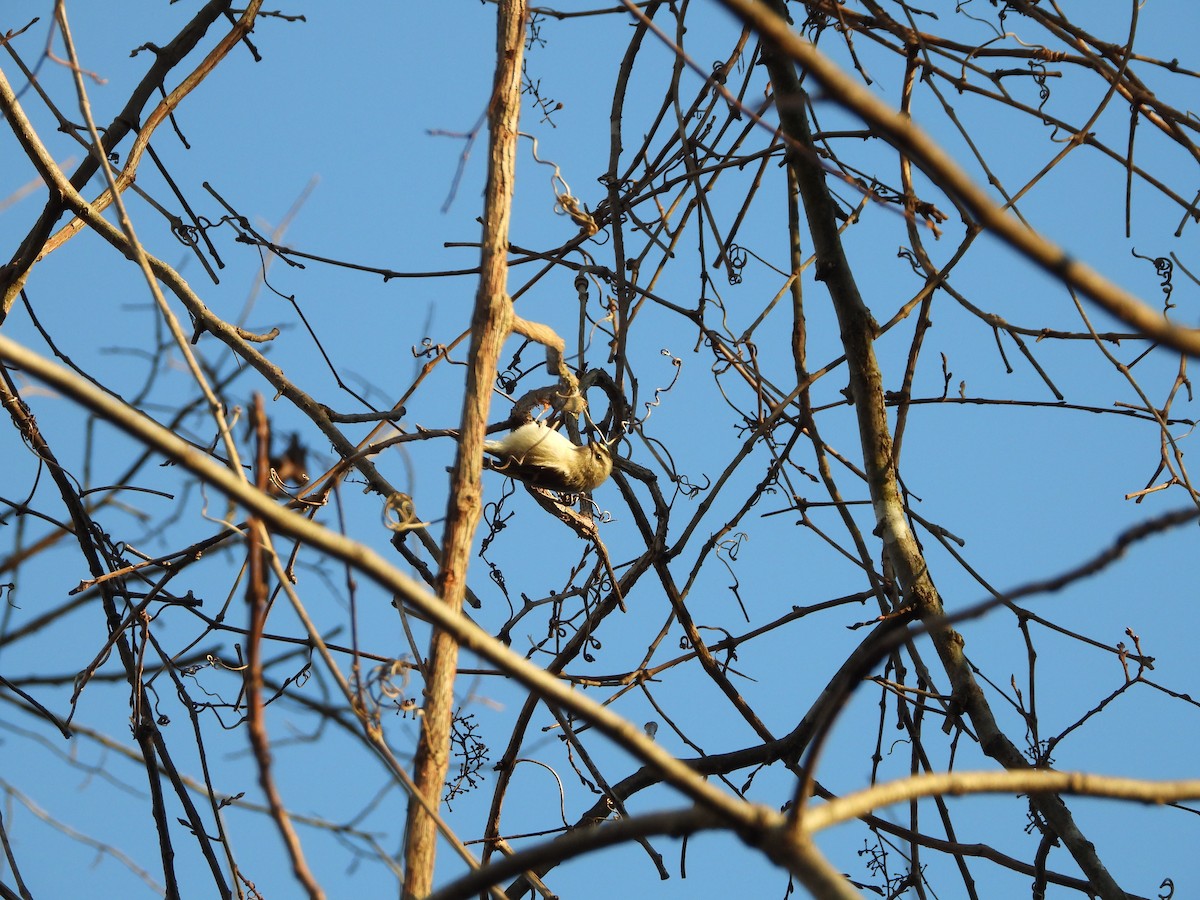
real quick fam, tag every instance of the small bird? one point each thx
(543, 458)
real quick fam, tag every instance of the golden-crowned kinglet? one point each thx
(543, 458)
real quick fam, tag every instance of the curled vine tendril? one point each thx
(1164, 269)
(736, 257)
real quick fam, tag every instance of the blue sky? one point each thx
(343, 106)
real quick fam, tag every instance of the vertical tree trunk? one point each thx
(490, 325)
(858, 332)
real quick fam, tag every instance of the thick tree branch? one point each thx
(909, 139)
(490, 325)
(858, 332)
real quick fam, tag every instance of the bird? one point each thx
(542, 458)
